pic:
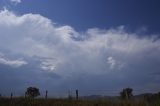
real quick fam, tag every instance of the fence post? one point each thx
(76, 94)
(46, 96)
(11, 96)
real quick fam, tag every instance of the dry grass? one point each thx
(66, 102)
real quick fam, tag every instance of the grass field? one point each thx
(67, 102)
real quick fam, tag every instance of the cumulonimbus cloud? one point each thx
(70, 54)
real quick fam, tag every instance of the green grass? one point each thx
(66, 102)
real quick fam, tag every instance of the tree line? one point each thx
(125, 94)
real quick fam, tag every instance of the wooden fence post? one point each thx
(46, 96)
(11, 96)
(76, 94)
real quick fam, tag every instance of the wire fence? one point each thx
(75, 92)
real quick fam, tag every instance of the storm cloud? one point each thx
(61, 58)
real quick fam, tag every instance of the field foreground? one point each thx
(66, 102)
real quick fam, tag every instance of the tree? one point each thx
(126, 93)
(32, 92)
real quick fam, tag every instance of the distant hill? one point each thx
(99, 97)
(146, 96)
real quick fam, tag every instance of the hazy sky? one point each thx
(96, 46)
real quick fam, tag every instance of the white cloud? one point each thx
(112, 62)
(13, 63)
(48, 64)
(16, 1)
(62, 52)
(35, 35)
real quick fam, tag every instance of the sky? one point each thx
(96, 46)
